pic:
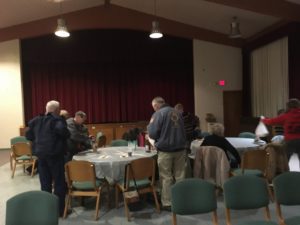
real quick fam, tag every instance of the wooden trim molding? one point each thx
(112, 131)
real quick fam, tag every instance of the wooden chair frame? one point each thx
(19, 150)
(143, 168)
(255, 159)
(15, 140)
(82, 171)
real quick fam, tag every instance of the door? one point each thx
(232, 106)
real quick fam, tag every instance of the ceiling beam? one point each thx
(277, 8)
(115, 17)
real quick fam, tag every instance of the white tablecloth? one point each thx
(241, 144)
(244, 144)
(110, 162)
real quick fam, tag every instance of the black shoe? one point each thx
(167, 208)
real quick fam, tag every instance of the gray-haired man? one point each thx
(167, 129)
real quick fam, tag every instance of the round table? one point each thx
(110, 161)
(244, 144)
(240, 144)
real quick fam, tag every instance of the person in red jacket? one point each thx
(290, 120)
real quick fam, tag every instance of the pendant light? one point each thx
(155, 31)
(61, 30)
(235, 29)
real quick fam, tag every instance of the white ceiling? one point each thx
(199, 13)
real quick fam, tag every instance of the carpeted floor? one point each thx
(83, 215)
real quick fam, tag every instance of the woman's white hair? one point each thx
(52, 106)
(217, 129)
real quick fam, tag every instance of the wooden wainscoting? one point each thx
(110, 130)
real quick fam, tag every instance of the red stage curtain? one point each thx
(112, 75)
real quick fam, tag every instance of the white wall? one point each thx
(214, 62)
(11, 103)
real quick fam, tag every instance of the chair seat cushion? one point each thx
(87, 185)
(139, 183)
(237, 172)
(23, 157)
(258, 222)
(293, 220)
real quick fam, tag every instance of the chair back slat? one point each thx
(255, 159)
(80, 171)
(142, 168)
(22, 148)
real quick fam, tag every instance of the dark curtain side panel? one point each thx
(112, 75)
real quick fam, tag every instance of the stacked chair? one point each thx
(32, 208)
(286, 189)
(245, 193)
(193, 196)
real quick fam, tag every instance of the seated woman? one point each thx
(217, 139)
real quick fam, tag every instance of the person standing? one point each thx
(290, 120)
(191, 123)
(167, 129)
(48, 134)
(79, 139)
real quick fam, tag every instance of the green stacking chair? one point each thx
(82, 181)
(286, 189)
(32, 208)
(193, 196)
(244, 193)
(254, 162)
(13, 141)
(118, 142)
(139, 176)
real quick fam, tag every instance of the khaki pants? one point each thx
(171, 165)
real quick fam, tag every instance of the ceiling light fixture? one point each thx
(235, 29)
(155, 31)
(61, 30)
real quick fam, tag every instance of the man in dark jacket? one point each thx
(48, 134)
(79, 139)
(167, 129)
